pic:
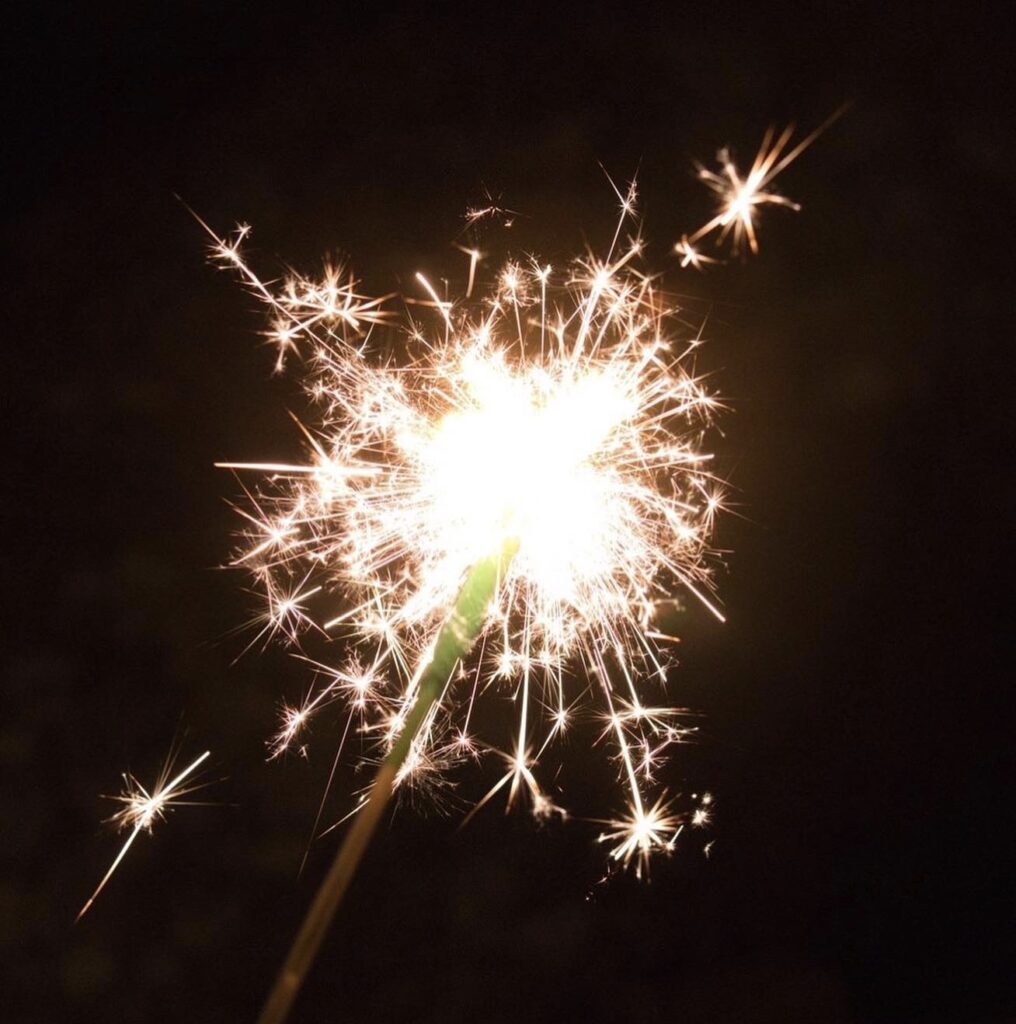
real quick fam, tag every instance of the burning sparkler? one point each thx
(554, 423)
(530, 481)
(502, 507)
(141, 809)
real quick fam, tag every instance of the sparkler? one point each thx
(535, 467)
(141, 809)
(562, 424)
(507, 492)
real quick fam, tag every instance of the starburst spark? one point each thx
(741, 195)
(559, 413)
(646, 831)
(141, 809)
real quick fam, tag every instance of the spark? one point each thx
(301, 307)
(474, 258)
(556, 411)
(492, 211)
(643, 833)
(740, 195)
(141, 810)
(690, 255)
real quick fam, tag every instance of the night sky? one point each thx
(854, 725)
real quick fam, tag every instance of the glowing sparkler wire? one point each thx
(455, 640)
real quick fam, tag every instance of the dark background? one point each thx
(855, 725)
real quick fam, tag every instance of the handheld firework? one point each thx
(502, 501)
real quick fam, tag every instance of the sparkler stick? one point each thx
(455, 640)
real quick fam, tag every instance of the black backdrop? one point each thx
(854, 723)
